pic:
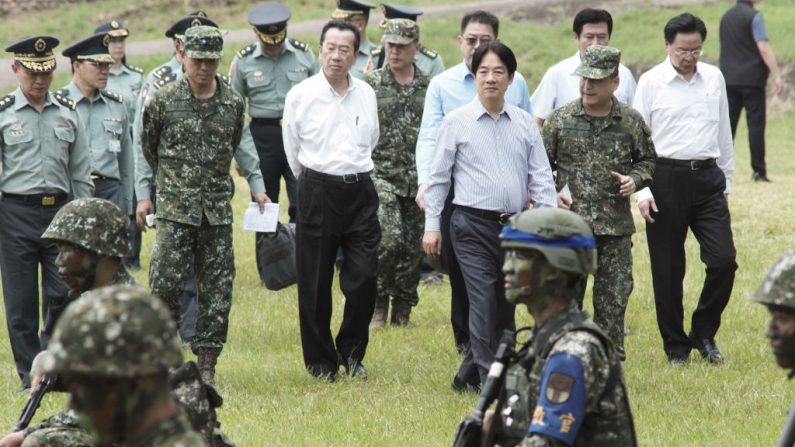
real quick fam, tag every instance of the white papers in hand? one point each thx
(263, 223)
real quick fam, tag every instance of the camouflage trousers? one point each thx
(61, 430)
(400, 250)
(211, 249)
(612, 285)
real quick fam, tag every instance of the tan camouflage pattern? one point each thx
(203, 42)
(598, 62)
(61, 430)
(94, 224)
(778, 287)
(608, 418)
(400, 31)
(115, 332)
(585, 149)
(174, 432)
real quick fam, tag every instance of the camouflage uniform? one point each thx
(395, 178)
(584, 150)
(61, 430)
(190, 143)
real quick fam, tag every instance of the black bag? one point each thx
(276, 252)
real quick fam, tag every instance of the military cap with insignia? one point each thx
(598, 62)
(177, 30)
(393, 11)
(113, 28)
(203, 42)
(400, 31)
(94, 48)
(270, 22)
(35, 53)
(347, 8)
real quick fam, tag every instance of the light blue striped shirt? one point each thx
(493, 164)
(448, 91)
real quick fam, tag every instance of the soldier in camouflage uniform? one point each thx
(191, 130)
(400, 91)
(603, 151)
(112, 350)
(427, 60)
(565, 386)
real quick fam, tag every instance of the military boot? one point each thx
(207, 358)
(380, 312)
(400, 315)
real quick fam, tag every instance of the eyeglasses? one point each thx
(694, 53)
(477, 41)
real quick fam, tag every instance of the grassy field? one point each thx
(270, 400)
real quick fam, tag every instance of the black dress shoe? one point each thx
(675, 359)
(459, 385)
(757, 177)
(323, 373)
(355, 368)
(707, 348)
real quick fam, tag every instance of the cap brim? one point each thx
(102, 58)
(47, 66)
(592, 73)
(204, 54)
(397, 40)
(118, 33)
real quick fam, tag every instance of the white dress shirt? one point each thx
(495, 164)
(689, 120)
(329, 133)
(560, 85)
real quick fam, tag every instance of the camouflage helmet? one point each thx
(560, 235)
(115, 332)
(778, 288)
(93, 224)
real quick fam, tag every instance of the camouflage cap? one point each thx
(400, 31)
(96, 225)
(114, 332)
(598, 62)
(778, 288)
(204, 42)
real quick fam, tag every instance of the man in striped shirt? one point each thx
(500, 162)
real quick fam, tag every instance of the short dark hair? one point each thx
(500, 49)
(685, 23)
(483, 17)
(343, 26)
(590, 15)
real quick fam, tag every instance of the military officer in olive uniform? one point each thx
(400, 88)
(565, 386)
(104, 118)
(45, 157)
(427, 60)
(357, 12)
(192, 129)
(263, 73)
(602, 149)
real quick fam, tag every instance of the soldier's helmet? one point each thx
(96, 225)
(560, 235)
(114, 332)
(778, 288)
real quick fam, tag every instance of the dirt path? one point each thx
(542, 11)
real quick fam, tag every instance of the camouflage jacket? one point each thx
(400, 113)
(174, 432)
(189, 144)
(60, 430)
(584, 150)
(546, 417)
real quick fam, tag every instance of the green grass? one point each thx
(270, 400)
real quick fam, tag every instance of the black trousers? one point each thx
(753, 100)
(134, 261)
(477, 246)
(691, 199)
(459, 302)
(22, 251)
(333, 215)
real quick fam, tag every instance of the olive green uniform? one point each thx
(427, 60)
(364, 62)
(128, 83)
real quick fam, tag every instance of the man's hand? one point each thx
(564, 201)
(13, 439)
(420, 199)
(626, 186)
(488, 418)
(432, 243)
(144, 209)
(261, 198)
(779, 85)
(644, 206)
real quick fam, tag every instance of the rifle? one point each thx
(33, 402)
(787, 436)
(470, 429)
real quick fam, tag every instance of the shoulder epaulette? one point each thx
(298, 44)
(162, 72)
(114, 96)
(247, 50)
(7, 101)
(227, 80)
(428, 52)
(134, 68)
(167, 79)
(63, 92)
(66, 102)
(376, 51)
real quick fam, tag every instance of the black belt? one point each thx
(496, 216)
(347, 178)
(38, 199)
(693, 165)
(100, 177)
(267, 121)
